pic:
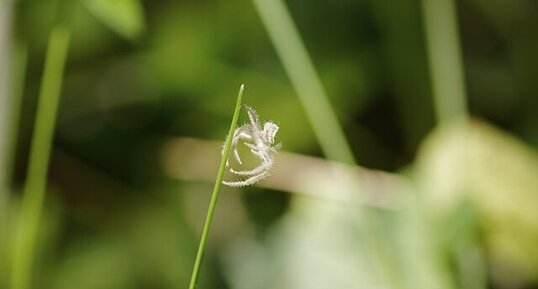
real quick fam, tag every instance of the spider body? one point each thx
(259, 140)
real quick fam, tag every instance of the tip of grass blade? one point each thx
(214, 195)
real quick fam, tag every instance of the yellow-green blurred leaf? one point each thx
(125, 17)
(93, 265)
(474, 161)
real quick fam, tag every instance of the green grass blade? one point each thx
(445, 60)
(125, 17)
(19, 63)
(450, 103)
(7, 107)
(215, 194)
(302, 73)
(34, 190)
(300, 69)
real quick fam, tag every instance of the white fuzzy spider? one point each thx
(260, 143)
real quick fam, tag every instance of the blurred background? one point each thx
(433, 181)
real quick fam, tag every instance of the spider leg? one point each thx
(265, 165)
(241, 132)
(261, 153)
(247, 182)
(259, 141)
(236, 152)
(253, 147)
(256, 130)
(253, 116)
(236, 156)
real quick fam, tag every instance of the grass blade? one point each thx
(215, 194)
(446, 65)
(300, 69)
(313, 97)
(34, 190)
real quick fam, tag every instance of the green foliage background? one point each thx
(140, 74)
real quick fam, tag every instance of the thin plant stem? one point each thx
(215, 194)
(6, 99)
(6, 64)
(471, 264)
(34, 190)
(20, 58)
(304, 78)
(450, 101)
(445, 60)
(20, 61)
(313, 97)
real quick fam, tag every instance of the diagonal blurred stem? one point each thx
(445, 60)
(297, 63)
(300, 69)
(449, 94)
(6, 11)
(215, 194)
(19, 62)
(34, 190)
(6, 15)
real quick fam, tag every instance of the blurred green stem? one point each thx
(19, 63)
(6, 50)
(449, 94)
(446, 68)
(34, 190)
(471, 264)
(6, 124)
(215, 194)
(300, 69)
(20, 60)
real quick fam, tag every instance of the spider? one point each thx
(260, 143)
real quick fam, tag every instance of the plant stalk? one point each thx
(298, 65)
(34, 189)
(445, 60)
(306, 81)
(215, 194)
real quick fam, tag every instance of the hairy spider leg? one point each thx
(272, 149)
(254, 120)
(240, 133)
(259, 141)
(254, 147)
(248, 181)
(269, 132)
(265, 165)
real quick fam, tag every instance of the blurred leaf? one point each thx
(95, 264)
(476, 162)
(316, 245)
(125, 17)
(325, 244)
